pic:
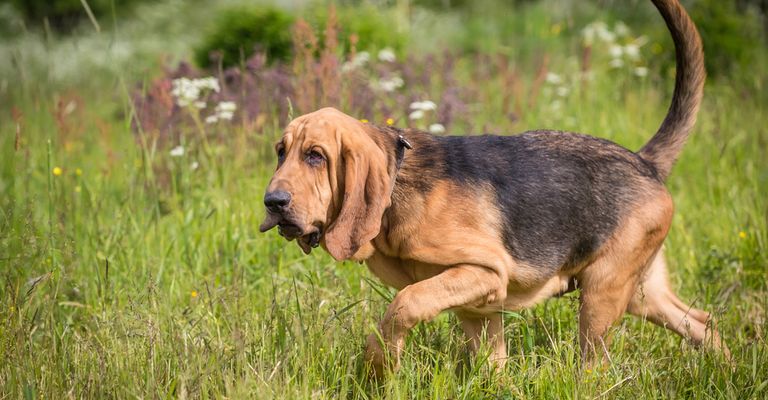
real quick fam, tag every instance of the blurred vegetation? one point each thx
(239, 32)
(731, 34)
(64, 15)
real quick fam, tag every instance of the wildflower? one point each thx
(616, 51)
(436, 128)
(554, 78)
(621, 29)
(194, 166)
(425, 105)
(78, 171)
(199, 105)
(556, 28)
(616, 63)
(365, 121)
(77, 189)
(589, 371)
(188, 91)
(358, 61)
(418, 114)
(211, 119)
(225, 110)
(390, 121)
(193, 294)
(641, 71)
(177, 151)
(387, 55)
(389, 85)
(57, 171)
(562, 91)
(632, 51)
(742, 235)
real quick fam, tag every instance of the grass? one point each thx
(140, 277)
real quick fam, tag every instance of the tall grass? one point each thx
(134, 275)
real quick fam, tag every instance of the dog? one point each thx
(481, 224)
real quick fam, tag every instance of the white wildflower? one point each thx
(226, 106)
(632, 51)
(188, 91)
(199, 104)
(605, 35)
(616, 63)
(226, 110)
(621, 29)
(391, 84)
(195, 165)
(211, 119)
(387, 55)
(556, 105)
(426, 105)
(615, 51)
(554, 78)
(177, 151)
(436, 128)
(562, 91)
(418, 114)
(358, 61)
(641, 71)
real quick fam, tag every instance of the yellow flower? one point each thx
(77, 189)
(589, 371)
(57, 171)
(78, 171)
(194, 293)
(743, 235)
(390, 121)
(556, 28)
(365, 121)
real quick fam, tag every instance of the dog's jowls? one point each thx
(480, 224)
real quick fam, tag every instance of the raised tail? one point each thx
(666, 144)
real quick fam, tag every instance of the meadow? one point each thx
(131, 265)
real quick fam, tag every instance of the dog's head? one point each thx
(332, 184)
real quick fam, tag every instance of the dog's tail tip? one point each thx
(664, 147)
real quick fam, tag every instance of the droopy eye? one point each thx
(314, 158)
(280, 155)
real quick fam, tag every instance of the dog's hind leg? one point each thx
(655, 301)
(610, 281)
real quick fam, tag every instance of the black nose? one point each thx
(277, 201)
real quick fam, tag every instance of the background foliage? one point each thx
(131, 264)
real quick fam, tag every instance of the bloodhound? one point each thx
(480, 224)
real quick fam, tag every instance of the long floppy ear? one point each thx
(367, 191)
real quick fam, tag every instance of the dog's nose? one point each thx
(277, 201)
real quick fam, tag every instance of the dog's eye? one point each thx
(314, 158)
(280, 155)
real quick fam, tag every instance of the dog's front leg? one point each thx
(461, 285)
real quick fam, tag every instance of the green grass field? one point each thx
(126, 272)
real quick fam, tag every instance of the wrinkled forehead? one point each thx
(320, 126)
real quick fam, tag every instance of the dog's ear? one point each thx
(367, 194)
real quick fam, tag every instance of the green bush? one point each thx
(730, 34)
(375, 27)
(239, 32)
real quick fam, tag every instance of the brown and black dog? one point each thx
(480, 224)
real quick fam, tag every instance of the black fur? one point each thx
(561, 194)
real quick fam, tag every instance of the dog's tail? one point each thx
(663, 148)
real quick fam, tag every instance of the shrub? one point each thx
(240, 32)
(729, 33)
